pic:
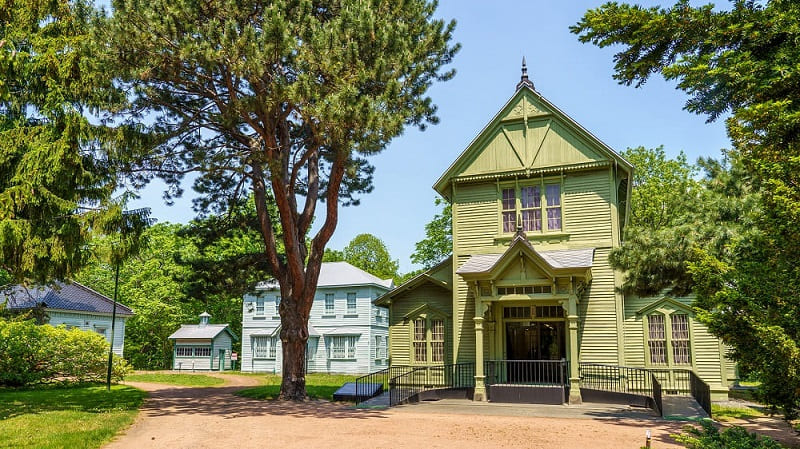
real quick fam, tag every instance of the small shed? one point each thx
(203, 346)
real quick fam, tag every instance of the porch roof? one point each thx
(557, 259)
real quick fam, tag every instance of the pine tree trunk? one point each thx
(294, 335)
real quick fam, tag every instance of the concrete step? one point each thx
(685, 407)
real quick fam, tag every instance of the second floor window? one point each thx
(259, 305)
(329, 310)
(351, 303)
(277, 305)
(535, 207)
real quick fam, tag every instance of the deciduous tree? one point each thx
(370, 254)
(438, 241)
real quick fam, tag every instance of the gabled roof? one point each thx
(197, 331)
(61, 296)
(334, 274)
(523, 90)
(416, 281)
(553, 261)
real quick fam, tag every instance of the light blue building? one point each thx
(347, 333)
(73, 305)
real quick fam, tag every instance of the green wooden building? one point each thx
(538, 202)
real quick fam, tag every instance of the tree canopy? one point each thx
(741, 61)
(438, 241)
(57, 174)
(282, 100)
(370, 254)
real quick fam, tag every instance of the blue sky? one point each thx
(494, 36)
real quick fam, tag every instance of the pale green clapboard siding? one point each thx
(463, 314)
(586, 209)
(400, 330)
(707, 361)
(478, 217)
(597, 332)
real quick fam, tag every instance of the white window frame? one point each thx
(352, 303)
(259, 305)
(330, 304)
(264, 347)
(342, 347)
(277, 305)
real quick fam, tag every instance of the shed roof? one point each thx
(71, 296)
(197, 332)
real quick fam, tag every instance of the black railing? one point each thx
(405, 385)
(526, 372)
(658, 404)
(377, 383)
(619, 379)
(673, 381)
(701, 392)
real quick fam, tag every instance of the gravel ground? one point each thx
(182, 417)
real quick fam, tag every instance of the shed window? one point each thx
(657, 339)
(342, 347)
(681, 352)
(264, 347)
(351, 303)
(329, 304)
(183, 351)
(202, 351)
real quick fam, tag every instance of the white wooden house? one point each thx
(204, 346)
(73, 305)
(347, 333)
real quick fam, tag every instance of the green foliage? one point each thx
(370, 254)
(148, 284)
(709, 437)
(742, 62)
(40, 353)
(333, 255)
(73, 417)
(438, 241)
(188, 380)
(318, 386)
(283, 99)
(56, 175)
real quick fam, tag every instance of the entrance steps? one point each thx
(379, 401)
(682, 407)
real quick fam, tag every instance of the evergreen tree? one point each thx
(284, 100)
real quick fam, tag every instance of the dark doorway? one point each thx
(530, 347)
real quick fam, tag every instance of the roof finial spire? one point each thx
(524, 81)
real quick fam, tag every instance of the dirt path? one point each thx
(183, 417)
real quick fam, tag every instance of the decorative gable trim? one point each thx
(426, 308)
(661, 303)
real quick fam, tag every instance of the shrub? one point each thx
(30, 353)
(736, 437)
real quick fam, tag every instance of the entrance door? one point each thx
(529, 347)
(221, 360)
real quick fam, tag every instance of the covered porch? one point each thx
(526, 322)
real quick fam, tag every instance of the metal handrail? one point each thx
(365, 384)
(701, 392)
(526, 372)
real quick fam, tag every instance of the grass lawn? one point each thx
(68, 417)
(726, 413)
(188, 380)
(318, 386)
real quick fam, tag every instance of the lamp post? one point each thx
(113, 325)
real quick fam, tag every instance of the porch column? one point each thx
(574, 377)
(480, 386)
